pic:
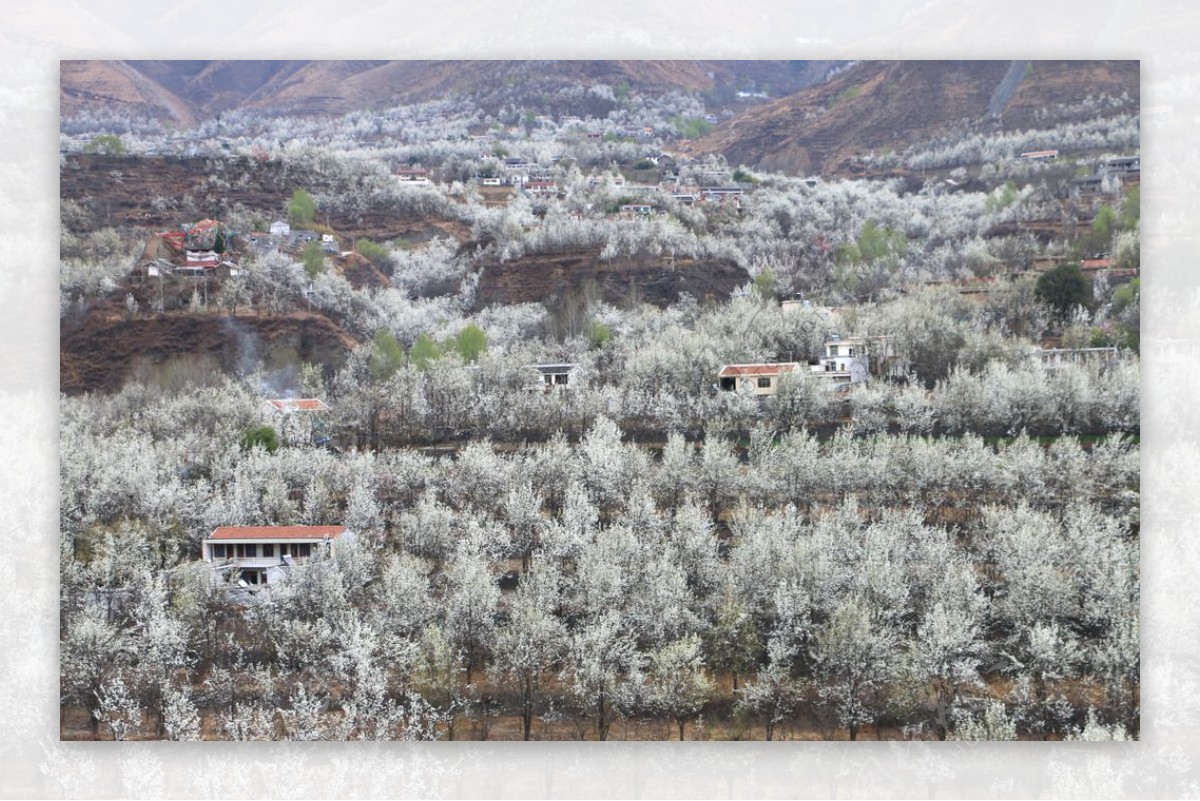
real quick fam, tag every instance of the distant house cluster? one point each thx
(209, 248)
(1108, 176)
(281, 237)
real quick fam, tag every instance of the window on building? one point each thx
(305, 549)
(833, 350)
(561, 378)
(764, 381)
(218, 552)
(269, 550)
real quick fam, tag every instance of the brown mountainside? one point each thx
(188, 91)
(107, 86)
(880, 105)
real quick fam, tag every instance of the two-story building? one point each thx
(264, 554)
(844, 361)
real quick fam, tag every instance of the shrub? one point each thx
(599, 334)
(387, 355)
(264, 436)
(105, 145)
(377, 254)
(691, 127)
(313, 259)
(471, 343)
(423, 352)
(301, 208)
(1064, 288)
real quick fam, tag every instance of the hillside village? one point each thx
(533, 417)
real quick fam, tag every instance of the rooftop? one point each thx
(732, 370)
(298, 404)
(315, 533)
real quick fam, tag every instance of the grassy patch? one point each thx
(845, 96)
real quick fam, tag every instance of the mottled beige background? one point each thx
(33, 38)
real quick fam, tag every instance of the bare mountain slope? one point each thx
(207, 88)
(107, 86)
(882, 105)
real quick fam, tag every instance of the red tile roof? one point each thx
(299, 404)
(731, 370)
(276, 532)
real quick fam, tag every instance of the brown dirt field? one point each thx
(101, 351)
(533, 279)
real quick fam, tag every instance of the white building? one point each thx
(1053, 359)
(413, 175)
(264, 554)
(556, 376)
(297, 420)
(844, 361)
(761, 379)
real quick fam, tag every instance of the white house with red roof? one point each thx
(289, 405)
(296, 419)
(413, 175)
(761, 379)
(263, 554)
